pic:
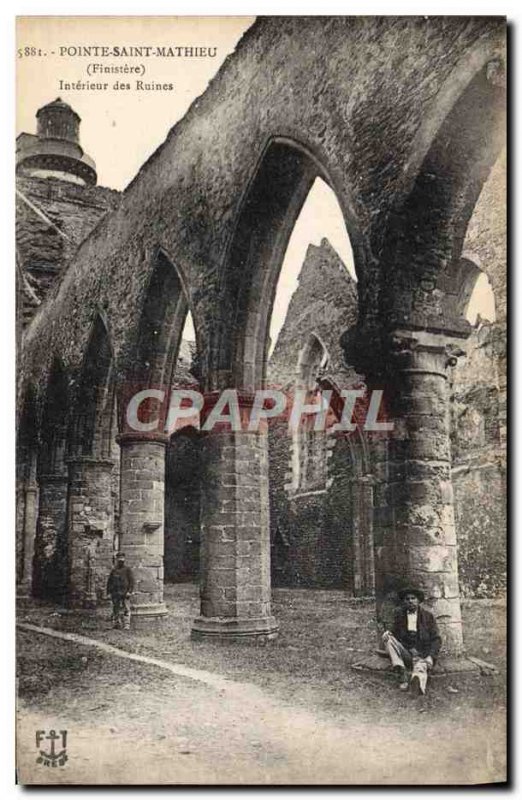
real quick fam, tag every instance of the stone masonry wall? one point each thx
(479, 464)
(50, 549)
(311, 530)
(234, 526)
(405, 75)
(187, 196)
(90, 530)
(479, 409)
(142, 518)
(299, 525)
(42, 252)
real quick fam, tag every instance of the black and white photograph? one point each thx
(261, 400)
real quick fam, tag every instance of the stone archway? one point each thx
(224, 215)
(274, 197)
(150, 366)
(235, 592)
(420, 333)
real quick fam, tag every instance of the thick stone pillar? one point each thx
(235, 536)
(142, 501)
(419, 546)
(27, 521)
(90, 525)
(50, 547)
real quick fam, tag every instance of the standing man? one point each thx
(120, 586)
(414, 641)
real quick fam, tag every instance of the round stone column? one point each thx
(235, 537)
(419, 547)
(90, 525)
(142, 505)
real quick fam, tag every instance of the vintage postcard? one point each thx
(261, 400)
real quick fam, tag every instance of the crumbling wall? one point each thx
(311, 525)
(53, 217)
(479, 465)
(187, 196)
(479, 415)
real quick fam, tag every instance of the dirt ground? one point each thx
(292, 711)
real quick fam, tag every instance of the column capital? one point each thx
(374, 351)
(422, 352)
(142, 437)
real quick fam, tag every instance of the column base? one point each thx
(147, 613)
(233, 629)
(378, 661)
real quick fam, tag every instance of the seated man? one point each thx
(414, 641)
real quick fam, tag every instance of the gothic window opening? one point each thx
(481, 307)
(309, 446)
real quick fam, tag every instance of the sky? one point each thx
(121, 128)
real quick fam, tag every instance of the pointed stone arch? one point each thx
(150, 368)
(269, 209)
(309, 447)
(267, 214)
(312, 361)
(93, 410)
(423, 245)
(161, 323)
(420, 333)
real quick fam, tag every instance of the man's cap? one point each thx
(411, 590)
(119, 554)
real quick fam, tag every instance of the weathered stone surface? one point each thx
(90, 522)
(235, 557)
(142, 522)
(50, 552)
(407, 150)
(26, 526)
(317, 522)
(44, 254)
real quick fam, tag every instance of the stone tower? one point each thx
(58, 203)
(55, 150)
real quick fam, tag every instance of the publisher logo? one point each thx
(52, 750)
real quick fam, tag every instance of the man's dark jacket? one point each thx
(121, 581)
(427, 641)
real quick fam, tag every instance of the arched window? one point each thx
(94, 407)
(481, 306)
(309, 447)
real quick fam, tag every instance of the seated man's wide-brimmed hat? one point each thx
(401, 594)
